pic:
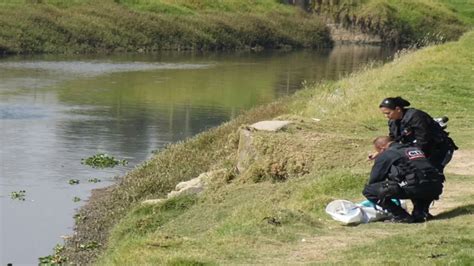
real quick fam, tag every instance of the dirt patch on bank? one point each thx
(462, 163)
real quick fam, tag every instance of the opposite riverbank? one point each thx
(85, 26)
(273, 213)
(145, 26)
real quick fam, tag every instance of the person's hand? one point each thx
(372, 156)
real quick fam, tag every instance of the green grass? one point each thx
(241, 219)
(402, 22)
(440, 242)
(193, 7)
(144, 26)
(173, 7)
(465, 8)
(237, 223)
(85, 26)
(448, 240)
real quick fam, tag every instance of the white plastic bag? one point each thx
(345, 211)
(350, 213)
(372, 214)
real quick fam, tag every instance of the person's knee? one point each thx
(365, 191)
(369, 192)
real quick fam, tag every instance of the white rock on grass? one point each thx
(195, 182)
(273, 125)
(187, 190)
(193, 186)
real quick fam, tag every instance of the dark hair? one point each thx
(393, 102)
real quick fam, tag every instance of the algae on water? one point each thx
(18, 195)
(103, 160)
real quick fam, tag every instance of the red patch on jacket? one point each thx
(415, 154)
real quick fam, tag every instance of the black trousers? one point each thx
(381, 193)
(378, 193)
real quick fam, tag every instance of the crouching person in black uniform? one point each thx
(417, 128)
(402, 172)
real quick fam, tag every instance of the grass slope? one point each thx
(86, 26)
(59, 26)
(402, 22)
(193, 7)
(465, 8)
(273, 213)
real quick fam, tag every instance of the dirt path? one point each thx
(462, 163)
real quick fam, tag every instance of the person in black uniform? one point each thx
(417, 128)
(401, 171)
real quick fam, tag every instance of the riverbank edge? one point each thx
(215, 146)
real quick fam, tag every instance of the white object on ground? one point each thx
(273, 125)
(345, 211)
(350, 213)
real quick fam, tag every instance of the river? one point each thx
(57, 110)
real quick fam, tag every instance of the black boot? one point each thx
(421, 210)
(426, 210)
(406, 219)
(400, 215)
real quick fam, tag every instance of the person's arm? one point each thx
(420, 126)
(381, 167)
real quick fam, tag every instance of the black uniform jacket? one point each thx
(390, 163)
(405, 171)
(384, 162)
(417, 128)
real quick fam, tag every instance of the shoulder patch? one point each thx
(413, 154)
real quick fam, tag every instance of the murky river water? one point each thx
(56, 110)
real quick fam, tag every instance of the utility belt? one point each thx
(410, 185)
(410, 177)
(414, 180)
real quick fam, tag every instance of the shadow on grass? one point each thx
(459, 211)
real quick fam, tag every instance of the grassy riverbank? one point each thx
(85, 26)
(401, 22)
(58, 26)
(273, 213)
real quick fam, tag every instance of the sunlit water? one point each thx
(56, 110)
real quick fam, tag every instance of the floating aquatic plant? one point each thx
(18, 195)
(103, 160)
(94, 180)
(73, 181)
(55, 259)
